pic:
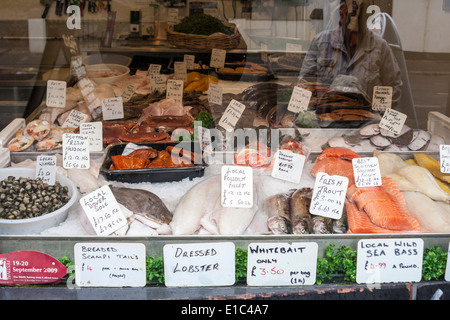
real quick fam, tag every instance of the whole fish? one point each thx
(299, 209)
(147, 207)
(278, 211)
(340, 225)
(321, 225)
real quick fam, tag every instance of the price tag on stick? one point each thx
(231, 115)
(288, 166)
(393, 121)
(444, 155)
(299, 101)
(367, 172)
(56, 93)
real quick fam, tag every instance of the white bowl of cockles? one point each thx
(29, 206)
(106, 73)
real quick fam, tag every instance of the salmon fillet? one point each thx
(338, 152)
(385, 206)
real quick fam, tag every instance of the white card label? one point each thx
(128, 93)
(281, 264)
(215, 94)
(56, 93)
(237, 186)
(393, 121)
(231, 115)
(189, 59)
(447, 269)
(46, 168)
(382, 98)
(199, 264)
(175, 90)
(299, 100)
(328, 195)
(110, 265)
(217, 58)
(180, 70)
(103, 211)
(94, 130)
(112, 108)
(389, 260)
(288, 166)
(444, 155)
(154, 69)
(367, 172)
(75, 151)
(74, 119)
(158, 82)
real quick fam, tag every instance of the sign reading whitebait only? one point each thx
(110, 264)
(199, 264)
(288, 166)
(103, 211)
(328, 195)
(237, 186)
(367, 172)
(281, 264)
(75, 151)
(389, 260)
(46, 168)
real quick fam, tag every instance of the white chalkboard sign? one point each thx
(110, 265)
(389, 260)
(199, 264)
(282, 264)
(328, 195)
(237, 186)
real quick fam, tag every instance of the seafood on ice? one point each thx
(380, 209)
(288, 213)
(200, 211)
(410, 177)
(137, 204)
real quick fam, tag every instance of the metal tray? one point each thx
(152, 174)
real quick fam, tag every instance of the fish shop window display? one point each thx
(350, 55)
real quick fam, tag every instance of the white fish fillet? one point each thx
(389, 162)
(416, 178)
(430, 214)
(194, 205)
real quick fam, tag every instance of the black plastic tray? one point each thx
(152, 174)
